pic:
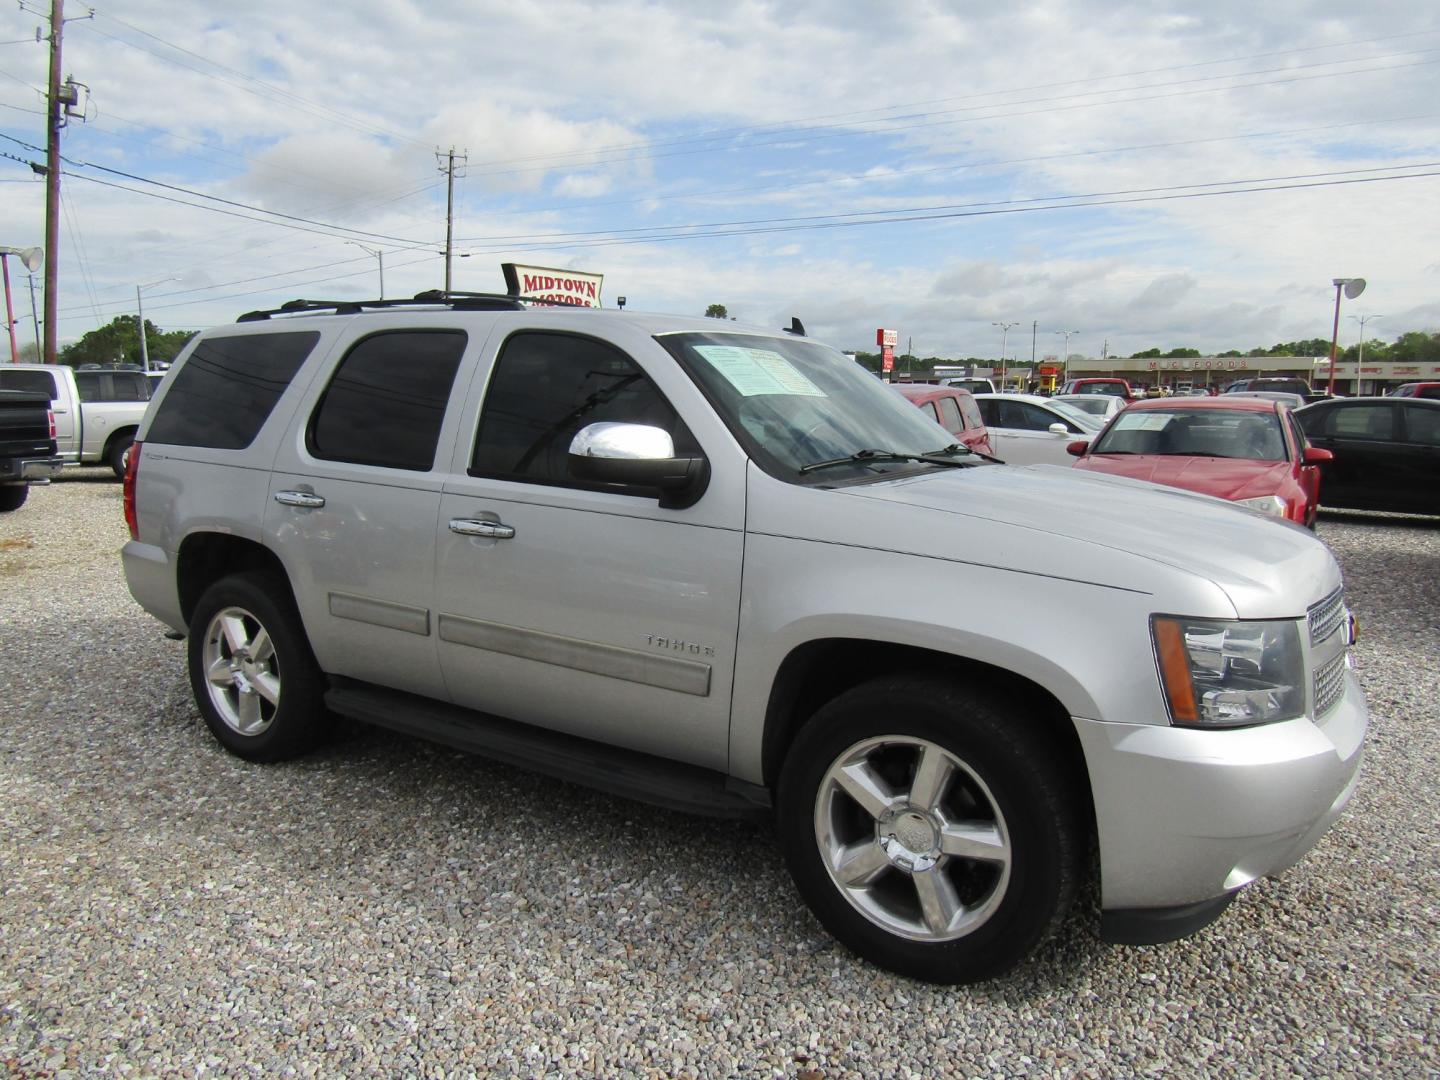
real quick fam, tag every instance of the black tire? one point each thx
(13, 496)
(244, 706)
(1009, 793)
(115, 454)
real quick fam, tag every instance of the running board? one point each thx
(645, 778)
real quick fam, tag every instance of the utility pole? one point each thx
(54, 121)
(448, 168)
(1004, 336)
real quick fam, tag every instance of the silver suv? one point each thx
(725, 570)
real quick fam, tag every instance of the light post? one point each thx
(1353, 287)
(1360, 359)
(379, 255)
(1065, 366)
(140, 316)
(1004, 336)
(31, 258)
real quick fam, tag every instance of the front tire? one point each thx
(251, 669)
(13, 496)
(932, 829)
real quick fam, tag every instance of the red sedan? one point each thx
(1248, 450)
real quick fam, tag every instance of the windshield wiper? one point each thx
(960, 448)
(867, 456)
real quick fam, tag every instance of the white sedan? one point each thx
(1026, 429)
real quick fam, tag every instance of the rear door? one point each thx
(1369, 469)
(354, 498)
(1421, 432)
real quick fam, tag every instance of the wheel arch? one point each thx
(206, 557)
(816, 672)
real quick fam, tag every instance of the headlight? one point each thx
(1266, 504)
(1220, 673)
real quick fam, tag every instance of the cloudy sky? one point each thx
(1144, 174)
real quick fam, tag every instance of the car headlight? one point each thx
(1266, 504)
(1224, 673)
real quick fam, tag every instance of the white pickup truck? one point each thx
(97, 410)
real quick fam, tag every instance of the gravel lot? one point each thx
(387, 907)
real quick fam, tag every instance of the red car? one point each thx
(1248, 450)
(953, 409)
(1417, 389)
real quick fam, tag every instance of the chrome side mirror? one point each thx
(638, 456)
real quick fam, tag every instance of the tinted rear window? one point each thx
(37, 382)
(226, 390)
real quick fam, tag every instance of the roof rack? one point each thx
(456, 301)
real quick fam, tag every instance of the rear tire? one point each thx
(254, 677)
(13, 496)
(935, 830)
(116, 452)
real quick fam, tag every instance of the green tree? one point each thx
(117, 343)
(1180, 354)
(716, 311)
(1148, 354)
(1415, 347)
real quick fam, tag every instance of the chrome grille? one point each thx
(1326, 616)
(1329, 685)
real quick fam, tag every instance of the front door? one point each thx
(583, 609)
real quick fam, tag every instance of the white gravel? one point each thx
(386, 907)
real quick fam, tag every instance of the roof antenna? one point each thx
(796, 327)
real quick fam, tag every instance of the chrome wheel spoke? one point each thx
(981, 841)
(860, 864)
(262, 650)
(247, 708)
(938, 903)
(267, 686)
(861, 783)
(219, 674)
(932, 775)
(233, 629)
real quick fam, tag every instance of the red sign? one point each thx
(889, 338)
(887, 357)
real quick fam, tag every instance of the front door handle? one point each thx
(300, 498)
(491, 530)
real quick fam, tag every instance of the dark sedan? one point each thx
(1387, 452)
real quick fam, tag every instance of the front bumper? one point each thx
(30, 469)
(1186, 817)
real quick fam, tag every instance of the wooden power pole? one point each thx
(54, 121)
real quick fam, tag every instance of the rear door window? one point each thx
(950, 415)
(386, 401)
(225, 391)
(1422, 425)
(1362, 422)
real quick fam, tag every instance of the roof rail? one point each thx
(456, 301)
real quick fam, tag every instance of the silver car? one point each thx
(722, 569)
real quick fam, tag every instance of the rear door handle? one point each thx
(300, 498)
(492, 530)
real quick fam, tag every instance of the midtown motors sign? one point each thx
(547, 283)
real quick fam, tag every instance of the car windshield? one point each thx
(1094, 404)
(1079, 418)
(1227, 433)
(794, 403)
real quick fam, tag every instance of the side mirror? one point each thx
(638, 455)
(1077, 448)
(1315, 455)
(1058, 428)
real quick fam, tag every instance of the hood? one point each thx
(1069, 523)
(1225, 478)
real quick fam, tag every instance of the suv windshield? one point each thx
(794, 403)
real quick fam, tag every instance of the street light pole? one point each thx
(140, 316)
(30, 257)
(1004, 336)
(379, 255)
(1360, 359)
(1065, 368)
(1352, 288)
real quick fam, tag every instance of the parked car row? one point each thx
(1262, 448)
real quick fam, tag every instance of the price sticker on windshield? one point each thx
(756, 372)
